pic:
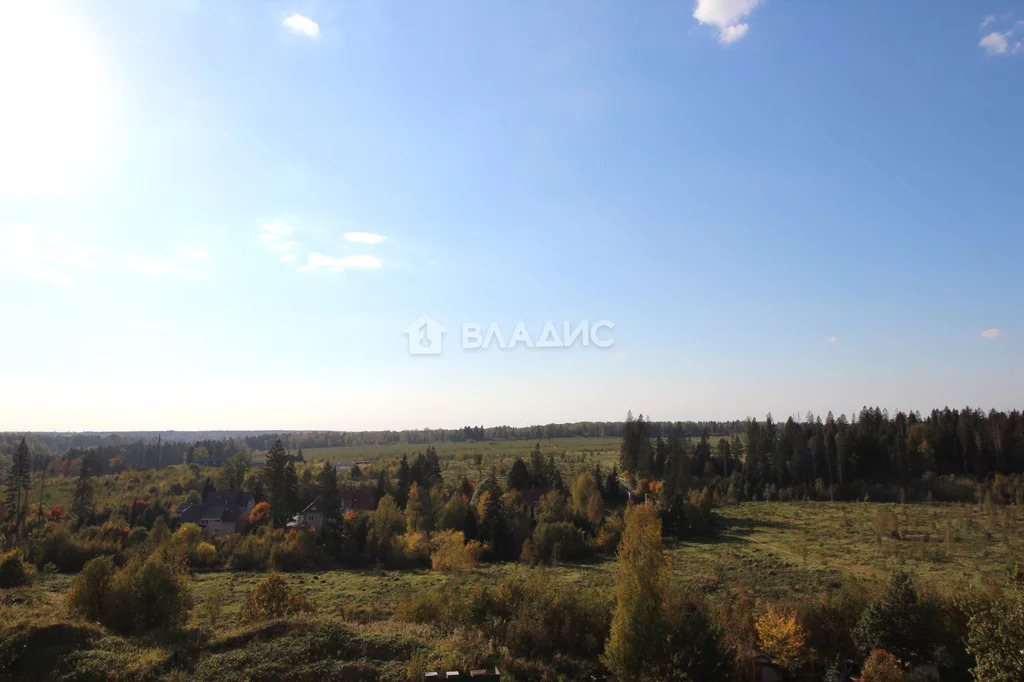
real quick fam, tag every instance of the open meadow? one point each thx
(774, 553)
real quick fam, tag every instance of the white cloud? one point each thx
(288, 257)
(274, 233)
(993, 333)
(726, 16)
(152, 326)
(150, 266)
(989, 18)
(316, 260)
(197, 254)
(42, 255)
(365, 237)
(730, 34)
(995, 43)
(833, 339)
(303, 25)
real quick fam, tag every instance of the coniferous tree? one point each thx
(81, 501)
(276, 484)
(327, 488)
(18, 482)
(518, 476)
(291, 490)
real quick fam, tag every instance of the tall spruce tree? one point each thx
(81, 501)
(275, 484)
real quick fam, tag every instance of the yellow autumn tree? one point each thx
(637, 640)
(781, 638)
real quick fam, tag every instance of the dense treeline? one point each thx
(833, 458)
(479, 433)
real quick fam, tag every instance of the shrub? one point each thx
(273, 598)
(561, 540)
(14, 572)
(451, 552)
(249, 555)
(882, 666)
(161, 596)
(139, 596)
(204, 554)
(781, 637)
(89, 592)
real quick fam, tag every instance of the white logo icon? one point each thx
(425, 336)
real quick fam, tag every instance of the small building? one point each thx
(310, 517)
(221, 513)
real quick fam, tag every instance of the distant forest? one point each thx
(832, 458)
(875, 454)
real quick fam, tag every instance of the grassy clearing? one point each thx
(774, 552)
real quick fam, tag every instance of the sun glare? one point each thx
(55, 101)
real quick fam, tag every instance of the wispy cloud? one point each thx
(288, 257)
(365, 238)
(302, 24)
(42, 255)
(993, 333)
(1001, 43)
(275, 234)
(317, 260)
(833, 339)
(726, 16)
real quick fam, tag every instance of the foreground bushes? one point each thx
(14, 572)
(273, 598)
(142, 595)
(527, 613)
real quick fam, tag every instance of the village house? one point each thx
(310, 517)
(221, 513)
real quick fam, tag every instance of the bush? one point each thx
(560, 541)
(273, 598)
(88, 594)
(249, 555)
(140, 596)
(451, 552)
(161, 596)
(204, 554)
(14, 572)
(882, 666)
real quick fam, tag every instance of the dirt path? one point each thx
(842, 567)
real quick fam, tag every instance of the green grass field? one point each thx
(773, 552)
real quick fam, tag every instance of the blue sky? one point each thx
(225, 214)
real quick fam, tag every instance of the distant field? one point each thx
(507, 448)
(761, 548)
